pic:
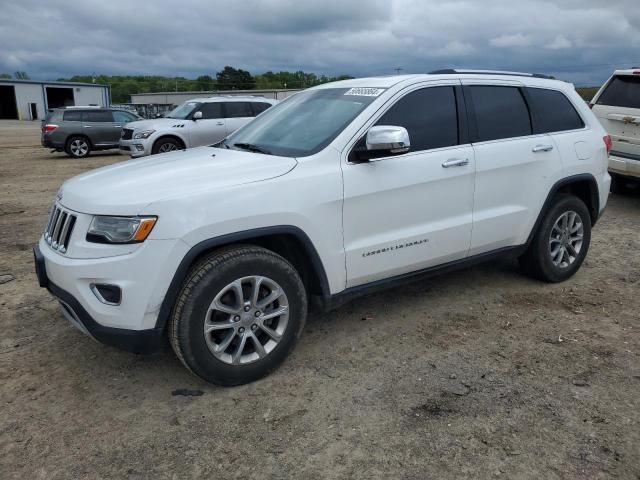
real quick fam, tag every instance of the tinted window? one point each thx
(211, 110)
(429, 115)
(259, 107)
(123, 117)
(623, 91)
(72, 116)
(238, 109)
(552, 111)
(500, 112)
(97, 116)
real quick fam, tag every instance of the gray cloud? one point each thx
(577, 40)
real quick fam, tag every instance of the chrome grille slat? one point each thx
(59, 228)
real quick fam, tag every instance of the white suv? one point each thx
(201, 121)
(338, 190)
(617, 106)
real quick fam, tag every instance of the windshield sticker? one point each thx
(365, 92)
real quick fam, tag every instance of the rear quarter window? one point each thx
(622, 91)
(501, 112)
(72, 116)
(552, 111)
(259, 107)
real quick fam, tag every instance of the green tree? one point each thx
(205, 82)
(5, 75)
(21, 76)
(235, 79)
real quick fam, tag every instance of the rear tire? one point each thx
(164, 145)
(561, 243)
(78, 146)
(240, 313)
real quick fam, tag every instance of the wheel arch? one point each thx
(286, 240)
(584, 186)
(173, 136)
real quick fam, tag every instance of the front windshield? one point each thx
(303, 124)
(183, 111)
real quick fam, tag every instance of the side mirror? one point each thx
(197, 115)
(388, 139)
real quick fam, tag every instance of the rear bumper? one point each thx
(627, 165)
(48, 142)
(135, 341)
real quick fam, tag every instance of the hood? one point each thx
(125, 188)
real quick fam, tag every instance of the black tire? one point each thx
(205, 282)
(166, 144)
(78, 146)
(537, 260)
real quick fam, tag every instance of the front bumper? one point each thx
(623, 164)
(135, 147)
(135, 341)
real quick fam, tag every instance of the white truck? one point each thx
(201, 121)
(337, 191)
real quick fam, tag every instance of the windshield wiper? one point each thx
(252, 148)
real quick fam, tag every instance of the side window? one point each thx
(238, 109)
(501, 112)
(211, 110)
(429, 115)
(72, 116)
(97, 116)
(622, 91)
(259, 107)
(552, 111)
(123, 117)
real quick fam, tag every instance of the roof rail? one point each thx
(451, 71)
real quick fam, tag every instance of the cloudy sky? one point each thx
(577, 40)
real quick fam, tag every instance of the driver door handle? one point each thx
(542, 148)
(220, 123)
(455, 162)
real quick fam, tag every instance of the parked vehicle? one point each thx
(201, 121)
(617, 106)
(337, 191)
(79, 130)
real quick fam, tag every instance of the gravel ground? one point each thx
(480, 373)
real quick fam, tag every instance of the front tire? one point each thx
(561, 243)
(78, 147)
(164, 145)
(240, 313)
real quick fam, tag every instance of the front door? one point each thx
(412, 211)
(210, 129)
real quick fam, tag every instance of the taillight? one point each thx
(49, 128)
(607, 142)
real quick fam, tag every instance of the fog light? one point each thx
(107, 294)
(140, 148)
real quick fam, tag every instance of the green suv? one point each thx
(79, 130)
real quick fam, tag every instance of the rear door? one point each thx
(237, 114)
(618, 110)
(515, 167)
(210, 128)
(98, 125)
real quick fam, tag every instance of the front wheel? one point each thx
(239, 314)
(561, 243)
(164, 145)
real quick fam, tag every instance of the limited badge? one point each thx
(364, 91)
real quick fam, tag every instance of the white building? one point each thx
(176, 98)
(30, 99)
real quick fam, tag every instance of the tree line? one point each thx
(229, 78)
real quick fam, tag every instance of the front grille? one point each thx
(127, 134)
(59, 228)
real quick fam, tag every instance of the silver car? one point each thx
(201, 121)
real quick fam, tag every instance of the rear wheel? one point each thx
(78, 147)
(561, 242)
(164, 145)
(238, 316)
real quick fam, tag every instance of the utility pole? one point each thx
(398, 70)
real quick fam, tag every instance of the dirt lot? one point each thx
(477, 374)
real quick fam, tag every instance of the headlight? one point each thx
(143, 134)
(120, 229)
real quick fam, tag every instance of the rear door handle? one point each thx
(455, 162)
(542, 148)
(220, 123)
(87, 126)
(117, 126)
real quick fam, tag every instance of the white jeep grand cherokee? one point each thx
(201, 121)
(337, 191)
